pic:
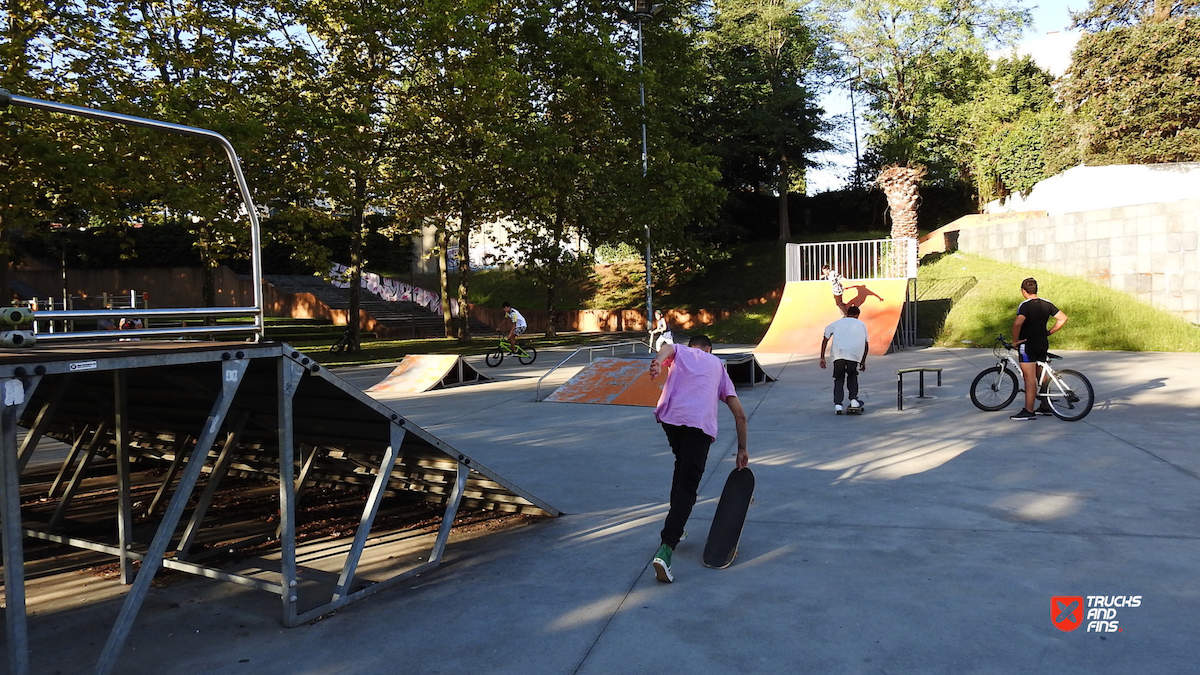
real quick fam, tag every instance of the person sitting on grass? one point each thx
(518, 324)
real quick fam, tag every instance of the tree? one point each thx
(466, 97)
(1104, 15)
(355, 87)
(1131, 94)
(50, 50)
(1005, 137)
(765, 63)
(909, 52)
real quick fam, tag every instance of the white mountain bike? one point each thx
(1068, 393)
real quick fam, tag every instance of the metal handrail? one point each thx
(7, 98)
(537, 393)
(181, 331)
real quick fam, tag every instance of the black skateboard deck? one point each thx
(855, 410)
(726, 530)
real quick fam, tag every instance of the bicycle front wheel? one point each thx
(494, 357)
(529, 356)
(1070, 395)
(994, 389)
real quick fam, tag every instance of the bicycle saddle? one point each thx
(1052, 357)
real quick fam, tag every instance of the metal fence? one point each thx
(863, 259)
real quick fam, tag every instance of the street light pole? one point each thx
(641, 12)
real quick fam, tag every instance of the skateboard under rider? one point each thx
(726, 530)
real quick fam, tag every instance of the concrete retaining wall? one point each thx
(1151, 251)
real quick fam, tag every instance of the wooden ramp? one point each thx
(425, 372)
(807, 307)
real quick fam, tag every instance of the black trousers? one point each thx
(690, 446)
(845, 371)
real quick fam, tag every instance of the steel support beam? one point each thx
(350, 567)
(69, 462)
(460, 486)
(93, 447)
(214, 482)
(288, 379)
(176, 462)
(13, 393)
(232, 374)
(124, 496)
(39, 424)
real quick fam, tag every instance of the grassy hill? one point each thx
(1099, 317)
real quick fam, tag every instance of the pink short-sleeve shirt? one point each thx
(696, 381)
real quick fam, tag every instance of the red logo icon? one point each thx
(1066, 611)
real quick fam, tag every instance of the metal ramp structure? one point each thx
(745, 369)
(419, 373)
(261, 410)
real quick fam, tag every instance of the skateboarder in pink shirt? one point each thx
(687, 410)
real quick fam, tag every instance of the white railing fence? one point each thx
(863, 259)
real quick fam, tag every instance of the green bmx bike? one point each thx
(526, 354)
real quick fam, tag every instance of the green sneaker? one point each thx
(662, 564)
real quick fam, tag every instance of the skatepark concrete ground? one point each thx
(928, 540)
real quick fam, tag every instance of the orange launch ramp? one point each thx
(807, 307)
(614, 381)
(425, 372)
(626, 381)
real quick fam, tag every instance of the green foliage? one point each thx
(913, 58)
(1005, 132)
(1099, 317)
(767, 63)
(1131, 94)
(1108, 14)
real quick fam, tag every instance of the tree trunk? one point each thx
(785, 226)
(464, 271)
(552, 275)
(358, 222)
(901, 186)
(5, 266)
(444, 278)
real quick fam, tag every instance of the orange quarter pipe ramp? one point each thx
(425, 372)
(807, 307)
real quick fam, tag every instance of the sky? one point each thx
(1048, 41)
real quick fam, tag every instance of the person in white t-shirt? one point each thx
(662, 330)
(518, 323)
(835, 283)
(849, 353)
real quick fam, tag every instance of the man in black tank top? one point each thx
(1029, 335)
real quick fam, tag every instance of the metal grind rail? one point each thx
(255, 312)
(537, 394)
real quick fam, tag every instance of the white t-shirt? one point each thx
(835, 281)
(848, 339)
(515, 316)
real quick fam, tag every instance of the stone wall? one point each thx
(1151, 251)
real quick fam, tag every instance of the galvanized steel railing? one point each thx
(256, 312)
(863, 259)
